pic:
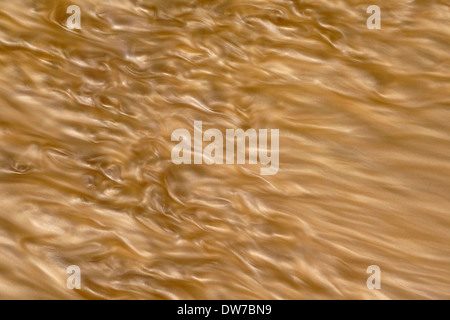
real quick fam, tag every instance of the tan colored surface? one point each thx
(86, 176)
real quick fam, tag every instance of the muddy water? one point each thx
(86, 176)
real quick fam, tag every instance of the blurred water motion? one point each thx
(86, 176)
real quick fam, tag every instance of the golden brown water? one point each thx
(86, 176)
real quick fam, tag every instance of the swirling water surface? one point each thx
(86, 176)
